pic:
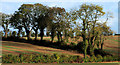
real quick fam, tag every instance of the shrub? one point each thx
(108, 58)
(99, 58)
(63, 43)
(93, 59)
(101, 52)
(72, 44)
(40, 58)
(104, 58)
(86, 59)
(116, 58)
(80, 47)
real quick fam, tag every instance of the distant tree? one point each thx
(52, 28)
(58, 20)
(61, 23)
(102, 31)
(37, 22)
(1, 33)
(83, 15)
(89, 15)
(44, 21)
(5, 22)
(97, 12)
(68, 24)
(23, 15)
(15, 22)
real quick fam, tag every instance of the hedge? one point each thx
(44, 58)
(40, 58)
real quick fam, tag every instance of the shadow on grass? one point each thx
(57, 45)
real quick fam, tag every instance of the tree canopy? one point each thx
(35, 18)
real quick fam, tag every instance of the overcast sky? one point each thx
(9, 7)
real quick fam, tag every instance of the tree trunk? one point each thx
(85, 45)
(102, 45)
(6, 34)
(58, 36)
(85, 53)
(52, 39)
(23, 34)
(85, 42)
(19, 33)
(66, 36)
(92, 46)
(98, 46)
(91, 51)
(28, 35)
(36, 32)
(100, 40)
(41, 34)
(85, 48)
(52, 36)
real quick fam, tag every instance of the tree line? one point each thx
(58, 22)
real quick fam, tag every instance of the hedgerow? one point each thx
(40, 58)
(44, 58)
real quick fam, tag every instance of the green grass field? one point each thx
(110, 45)
(10, 47)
